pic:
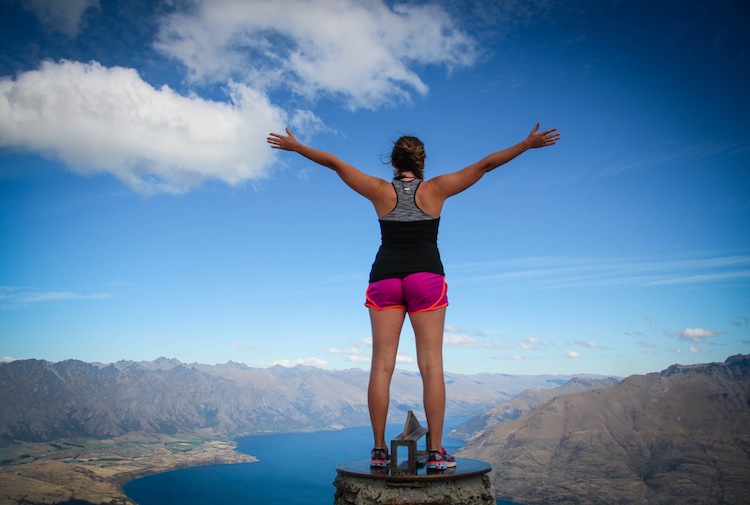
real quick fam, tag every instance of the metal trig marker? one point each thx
(413, 431)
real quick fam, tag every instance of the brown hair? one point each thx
(408, 155)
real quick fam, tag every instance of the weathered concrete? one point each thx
(467, 484)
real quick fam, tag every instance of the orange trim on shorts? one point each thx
(437, 304)
(373, 305)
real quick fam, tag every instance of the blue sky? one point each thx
(143, 215)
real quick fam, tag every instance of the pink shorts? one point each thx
(416, 293)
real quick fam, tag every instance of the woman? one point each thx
(407, 276)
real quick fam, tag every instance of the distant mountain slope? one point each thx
(681, 436)
(44, 401)
(523, 403)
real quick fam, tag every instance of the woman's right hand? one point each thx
(286, 142)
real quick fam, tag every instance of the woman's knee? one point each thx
(383, 367)
(430, 370)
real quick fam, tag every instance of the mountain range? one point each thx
(680, 436)
(45, 401)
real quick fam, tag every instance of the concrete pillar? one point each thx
(467, 484)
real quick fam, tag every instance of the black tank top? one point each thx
(408, 238)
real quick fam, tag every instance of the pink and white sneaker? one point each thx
(440, 460)
(379, 457)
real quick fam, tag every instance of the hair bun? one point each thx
(409, 155)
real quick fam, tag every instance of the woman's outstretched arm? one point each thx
(366, 185)
(289, 142)
(450, 184)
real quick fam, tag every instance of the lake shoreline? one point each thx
(96, 471)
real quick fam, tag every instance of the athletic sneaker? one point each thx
(379, 457)
(440, 460)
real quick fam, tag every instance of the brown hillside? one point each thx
(522, 404)
(679, 437)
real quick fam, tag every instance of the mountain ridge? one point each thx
(75, 398)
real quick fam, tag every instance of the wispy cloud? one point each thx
(459, 337)
(648, 348)
(648, 345)
(695, 335)
(458, 329)
(363, 54)
(352, 354)
(531, 344)
(350, 351)
(590, 344)
(452, 340)
(310, 361)
(675, 153)
(359, 52)
(554, 273)
(11, 296)
(239, 346)
(64, 17)
(513, 357)
(358, 359)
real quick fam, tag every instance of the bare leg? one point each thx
(428, 332)
(386, 330)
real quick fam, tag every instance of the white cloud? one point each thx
(358, 359)
(62, 16)
(476, 332)
(572, 355)
(695, 335)
(698, 333)
(402, 358)
(453, 340)
(99, 119)
(351, 351)
(588, 343)
(456, 336)
(531, 344)
(359, 51)
(311, 361)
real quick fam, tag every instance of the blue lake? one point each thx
(294, 468)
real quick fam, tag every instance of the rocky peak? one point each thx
(734, 367)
